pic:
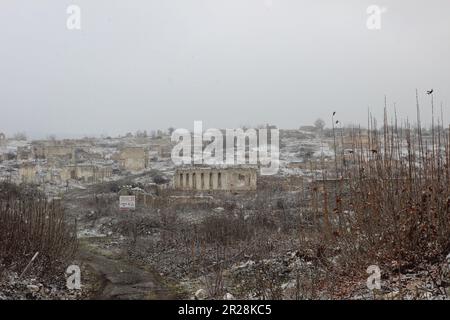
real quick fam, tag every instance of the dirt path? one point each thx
(113, 277)
(123, 281)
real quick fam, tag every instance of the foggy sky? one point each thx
(148, 64)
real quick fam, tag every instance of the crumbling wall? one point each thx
(28, 173)
(133, 158)
(86, 173)
(58, 152)
(23, 153)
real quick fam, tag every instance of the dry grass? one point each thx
(391, 202)
(29, 223)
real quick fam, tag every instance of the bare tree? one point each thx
(319, 124)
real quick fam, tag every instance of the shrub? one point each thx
(392, 206)
(30, 223)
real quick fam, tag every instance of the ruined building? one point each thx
(133, 158)
(58, 150)
(215, 178)
(28, 173)
(24, 153)
(86, 173)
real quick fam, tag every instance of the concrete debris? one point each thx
(200, 294)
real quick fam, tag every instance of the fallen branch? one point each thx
(28, 265)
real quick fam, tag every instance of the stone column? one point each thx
(214, 180)
(207, 181)
(194, 180)
(187, 184)
(199, 180)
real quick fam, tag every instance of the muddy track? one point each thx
(115, 277)
(119, 280)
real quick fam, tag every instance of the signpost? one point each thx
(127, 203)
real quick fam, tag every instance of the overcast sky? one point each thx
(146, 64)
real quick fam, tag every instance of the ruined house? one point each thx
(23, 153)
(88, 173)
(215, 178)
(164, 151)
(33, 173)
(81, 155)
(133, 158)
(61, 152)
(41, 150)
(36, 173)
(38, 150)
(28, 173)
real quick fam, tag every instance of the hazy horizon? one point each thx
(154, 64)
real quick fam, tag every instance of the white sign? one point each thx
(127, 202)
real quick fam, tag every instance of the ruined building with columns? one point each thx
(215, 178)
